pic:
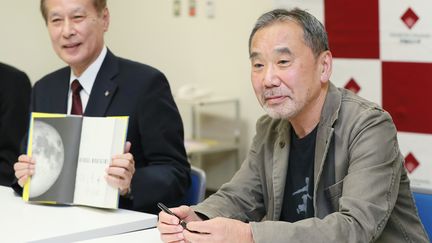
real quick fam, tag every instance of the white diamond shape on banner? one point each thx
(368, 81)
(405, 30)
(419, 145)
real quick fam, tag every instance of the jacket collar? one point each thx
(280, 165)
(59, 96)
(331, 106)
(329, 115)
(104, 87)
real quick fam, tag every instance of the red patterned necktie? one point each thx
(76, 98)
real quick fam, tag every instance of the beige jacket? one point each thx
(361, 191)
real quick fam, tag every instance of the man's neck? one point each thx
(79, 69)
(305, 122)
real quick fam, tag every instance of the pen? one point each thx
(166, 210)
(182, 222)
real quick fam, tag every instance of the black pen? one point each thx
(166, 210)
(182, 222)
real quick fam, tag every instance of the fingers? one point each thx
(24, 168)
(168, 226)
(171, 231)
(119, 177)
(127, 147)
(218, 230)
(25, 158)
(121, 171)
(172, 238)
(22, 181)
(213, 230)
(23, 165)
(186, 213)
(124, 161)
(24, 172)
(120, 183)
(202, 226)
(197, 237)
(183, 211)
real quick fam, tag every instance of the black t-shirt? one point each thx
(299, 185)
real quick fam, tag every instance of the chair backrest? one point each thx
(423, 200)
(196, 192)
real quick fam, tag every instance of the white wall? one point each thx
(210, 53)
(24, 41)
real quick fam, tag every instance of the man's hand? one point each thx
(24, 168)
(169, 227)
(219, 230)
(121, 170)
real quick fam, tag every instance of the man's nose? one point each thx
(68, 28)
(271, 78)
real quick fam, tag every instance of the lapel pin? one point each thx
(106, 93)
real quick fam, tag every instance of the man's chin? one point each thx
(273, 114)
(68, 59)
(72, 61)
(278, 113)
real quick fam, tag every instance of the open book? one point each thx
(71, 154)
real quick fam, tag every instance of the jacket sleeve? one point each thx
(14, 116)
(368, 191)
(242, 197)
(162, 169)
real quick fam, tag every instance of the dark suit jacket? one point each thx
(155, 127)
(15, 91)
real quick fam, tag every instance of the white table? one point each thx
(26, 222)
(142, 236)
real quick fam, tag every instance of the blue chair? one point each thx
(196, 192)
(423, 200)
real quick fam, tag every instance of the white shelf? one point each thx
(212, 131)
(208, 146)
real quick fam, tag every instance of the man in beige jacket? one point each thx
(324, 165)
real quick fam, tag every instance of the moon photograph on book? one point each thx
(48, 152)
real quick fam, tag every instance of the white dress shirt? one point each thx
(86, 80)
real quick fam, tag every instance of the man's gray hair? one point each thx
(314, 36)
(100, 5)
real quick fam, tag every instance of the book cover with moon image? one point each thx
(71, 154)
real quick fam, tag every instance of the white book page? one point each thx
(100, 139)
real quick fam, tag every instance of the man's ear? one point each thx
(326, 65)
(106, 18)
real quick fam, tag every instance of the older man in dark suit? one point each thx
(15, 91)
(154, 167)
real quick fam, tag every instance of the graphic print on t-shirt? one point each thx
(299, 183)
(303, 193)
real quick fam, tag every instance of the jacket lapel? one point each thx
(104, 87)
(324, 137)
(280, 166)
(59, 96)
